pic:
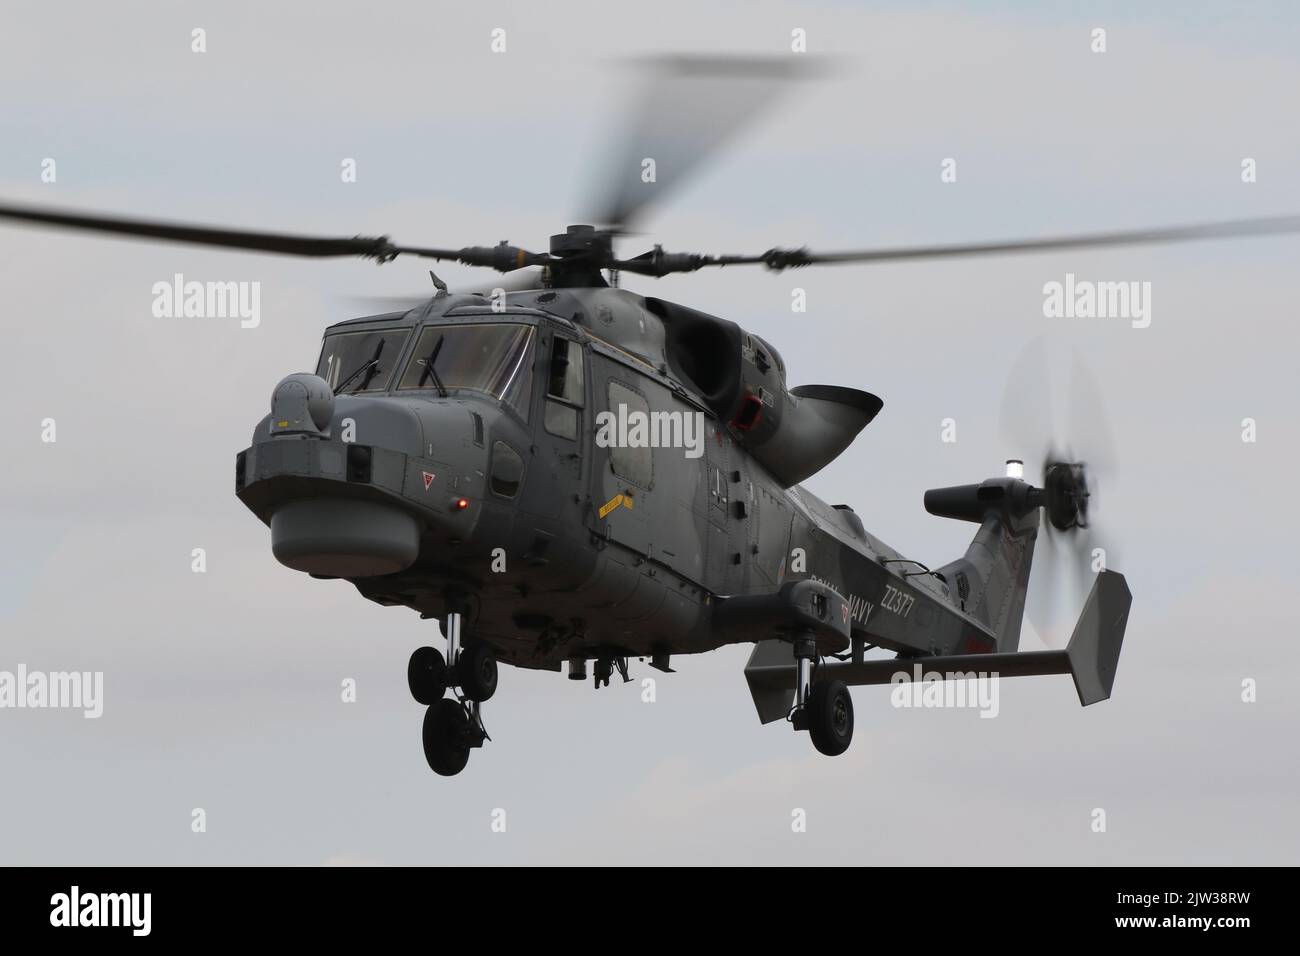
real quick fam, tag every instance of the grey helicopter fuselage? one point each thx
(508, 482)
(577, 473)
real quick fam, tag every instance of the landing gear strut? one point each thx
(452, 727)
(822, 707)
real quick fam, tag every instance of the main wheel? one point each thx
(426, 675)
(830, 717)
(446, 737)
(476, 671)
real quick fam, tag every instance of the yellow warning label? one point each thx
(607, 507)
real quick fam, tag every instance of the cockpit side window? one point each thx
(565, 387)
(566, 371)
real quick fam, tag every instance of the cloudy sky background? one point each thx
(222, 689)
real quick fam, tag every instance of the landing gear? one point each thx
(823, 708)
(605, 667)
(830, 717)
(476, 670)
(452, 727)
(446, 737)
(426, 675)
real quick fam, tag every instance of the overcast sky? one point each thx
(222, 690)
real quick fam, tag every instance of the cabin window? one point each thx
(631, 463)
(564, 389)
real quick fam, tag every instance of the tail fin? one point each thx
(1094, 647)
(992, 579)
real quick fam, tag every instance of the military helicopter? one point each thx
(565, 474)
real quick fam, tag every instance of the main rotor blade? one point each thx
(384, 304)
(203, 235)
(503, 258)
(779, 259)
(526, 281)
(690, 107)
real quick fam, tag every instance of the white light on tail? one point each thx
(1015, 468)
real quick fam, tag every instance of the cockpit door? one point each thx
(553, 501)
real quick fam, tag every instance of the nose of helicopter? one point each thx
(352, 486)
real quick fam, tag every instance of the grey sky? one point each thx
(222, 689)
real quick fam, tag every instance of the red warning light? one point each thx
(461, 504)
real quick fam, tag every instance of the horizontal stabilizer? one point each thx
(770, 675)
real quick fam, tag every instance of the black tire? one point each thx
(476, 671)
(426, 675)
(446, 737)
(830, 717)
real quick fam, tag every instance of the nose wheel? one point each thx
(426, 675)
(452, 727)
(447, 738)
(476, 671)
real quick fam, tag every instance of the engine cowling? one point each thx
(793, 433)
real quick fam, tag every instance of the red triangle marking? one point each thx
(428, 479)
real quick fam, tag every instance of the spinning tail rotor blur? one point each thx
(1072, 459)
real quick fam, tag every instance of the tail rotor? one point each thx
(1073, 547)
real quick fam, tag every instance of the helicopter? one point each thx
(566, 475)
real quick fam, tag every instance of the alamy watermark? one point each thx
(637, 429)
(129, 910)
(179, 299)
(64, 690)
(932, 689)
(1085, 299)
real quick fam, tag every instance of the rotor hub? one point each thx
(580, 240)
(578, 256)
(1065, 485)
